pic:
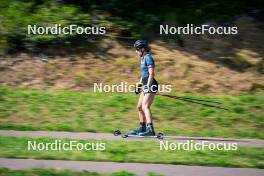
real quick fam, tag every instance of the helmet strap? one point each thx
(143, 53)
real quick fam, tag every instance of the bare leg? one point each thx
(141, 113)
(147, 102)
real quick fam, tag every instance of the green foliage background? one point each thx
(122, 18)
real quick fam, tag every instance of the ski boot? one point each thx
(141, 129)
(149, 132)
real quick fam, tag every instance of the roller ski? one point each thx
(140, 133)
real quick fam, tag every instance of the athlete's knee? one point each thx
(140, 108)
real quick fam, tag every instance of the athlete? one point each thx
(147, 87)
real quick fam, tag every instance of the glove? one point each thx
(138, 88)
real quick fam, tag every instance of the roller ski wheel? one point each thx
(160, 136)
(117, 133)
(125, 135)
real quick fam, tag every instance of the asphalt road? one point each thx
(87, 135)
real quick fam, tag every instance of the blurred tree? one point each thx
(122, 18)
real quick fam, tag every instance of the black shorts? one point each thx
(154, 86)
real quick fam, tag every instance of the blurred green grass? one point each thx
(26, 109)
(53, 172)
(146, 151)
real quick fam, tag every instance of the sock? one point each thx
(143, 125)
(151, 126)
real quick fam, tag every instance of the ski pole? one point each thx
(194, 101)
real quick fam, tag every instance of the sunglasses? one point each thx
(137, 49)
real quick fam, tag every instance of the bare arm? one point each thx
(151, 71)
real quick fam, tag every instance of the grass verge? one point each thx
(133, 151)
(25, 109)
(53, 172)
